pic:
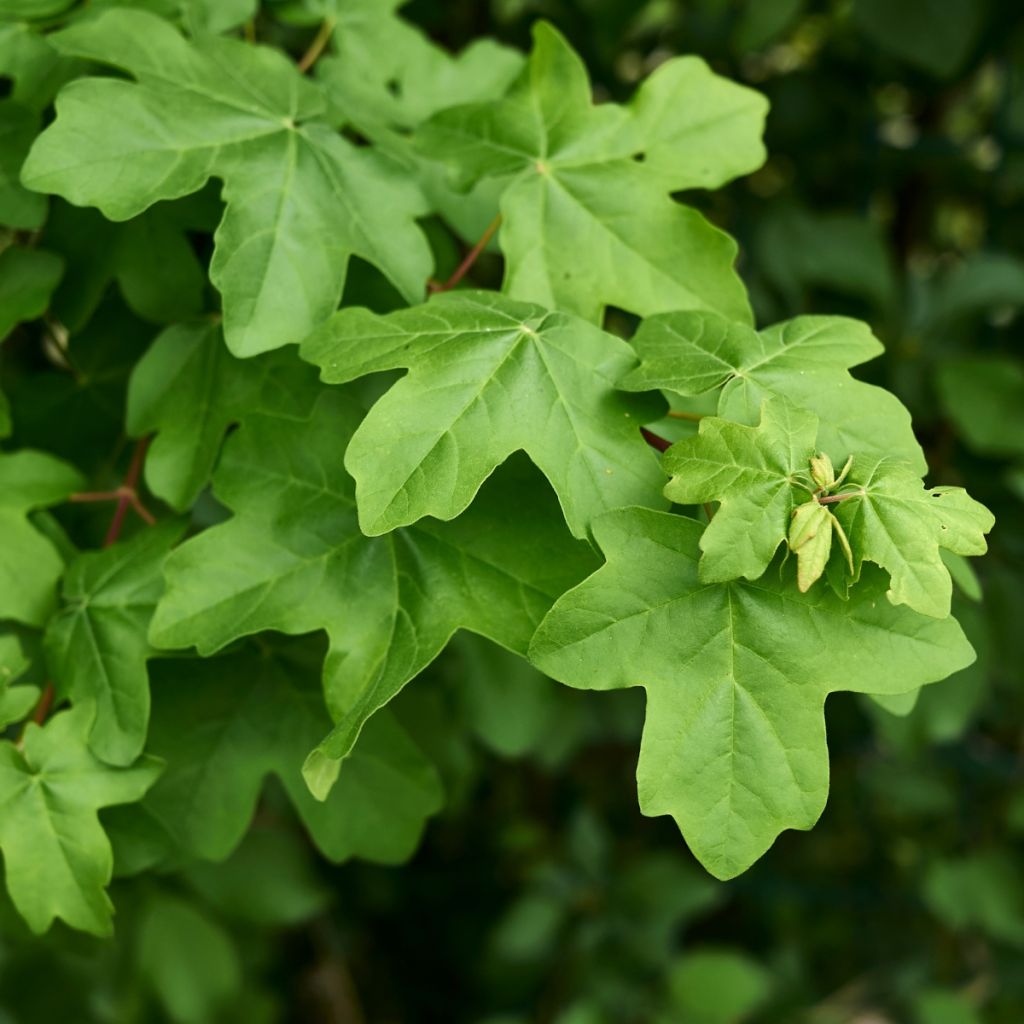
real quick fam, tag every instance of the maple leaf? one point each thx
(488, 376)
(901, 525)
(300, 199)
(57, 859)
(805, 359)
(586, 222)
(752, 471)
(30, 565)
(736, 676)
(224, 724)
(293, 559)
(189, 389)
(96, 644)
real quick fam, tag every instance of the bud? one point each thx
(822, 471)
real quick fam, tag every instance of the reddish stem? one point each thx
(44, 705)
(471, 257)
(126, 494)
(655, 441)
(832, 499)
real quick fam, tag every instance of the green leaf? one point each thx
(386, 70)
(936, 35)
(805, 360)
(751, 471)
(900, 525)
(27, 279)
(717, 986)
(30, 565)
(736, 676)
(488, 377)
(189, 960)
(19, 208)
(300, 199)
(189, 389)
(15, 9)
(984, 396)
(57, 858)
(96, 644)
(587, 219)
(224, 724)
(293, 559)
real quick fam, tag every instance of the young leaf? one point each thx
(751, 471)
(293, 559)
(810, 539)
(57, 858)
(900, 525)
(30, 565)
(300, 199)
(488, 377)
(96, 644)
(225, 724)
(805, 360)
(585, 224)
(189, 389)
(736, 676)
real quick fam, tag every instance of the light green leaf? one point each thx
(736, 676)
(300, 199)
(224, 724)
(57, 858)
(805, 360)
(27, 279)
(30, 565)
(96, 644)
(752, 472)
(293, 559)
(189, 389)
(900, 525)
(585, 225)
(488, 377)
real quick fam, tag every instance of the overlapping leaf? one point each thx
(300, 199)
(57, 859)
(736, 676)
(30, 565)
(752, 472)
(587, 219)
(293, 559)
(96, 645)
(488, 376)
(899, 524)
(224, 724)
(189, 389)
(27, 279)
(805, 360)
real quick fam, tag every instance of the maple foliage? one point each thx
(325, 459)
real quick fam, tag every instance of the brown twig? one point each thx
(471, 257)
(316, 48)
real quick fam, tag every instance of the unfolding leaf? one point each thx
(752, 472)
(190, 389)
(224, 724)
(488, 377)
(29, 563)
(901, 525)
(586, 222)
(736, 676)
(293, 559)
(805, 360)
(96, 644)
(57, 858)
(300, 198)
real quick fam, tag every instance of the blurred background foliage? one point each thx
(892, 192)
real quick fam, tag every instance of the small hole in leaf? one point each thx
(6, 86)
(935, 494)
(640, 157)
(394, 87)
